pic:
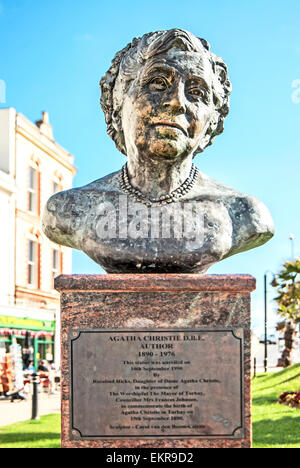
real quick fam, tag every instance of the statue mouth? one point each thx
(166, 123)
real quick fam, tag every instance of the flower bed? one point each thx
(290, 399)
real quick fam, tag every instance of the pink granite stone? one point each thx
(154, 301)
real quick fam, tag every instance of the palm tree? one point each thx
(287, 283)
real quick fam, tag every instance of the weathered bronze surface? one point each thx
(165, 98)
(162, 384)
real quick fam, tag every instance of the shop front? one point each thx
(36, 337)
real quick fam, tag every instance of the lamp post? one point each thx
(266, 320)
(266, 325)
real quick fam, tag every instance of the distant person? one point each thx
(16, 395)
(43, 366)
(30, 369)
(52, 377)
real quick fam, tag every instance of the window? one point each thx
(55, 187)
(32, 190)
(56, 267)
(32, 263)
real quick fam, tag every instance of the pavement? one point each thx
(21, 410)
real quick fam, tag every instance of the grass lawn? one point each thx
(274, 425)
(44, 433)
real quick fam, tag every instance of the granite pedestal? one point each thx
(191, 336)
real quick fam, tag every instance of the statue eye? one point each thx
(195, 91)
(158, 83)
(198, 92)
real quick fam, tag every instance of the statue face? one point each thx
(169, 105)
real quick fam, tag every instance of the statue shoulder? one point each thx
(250, 220)
(59, 217)
(247, 210)
(252, 223)
(66, 213)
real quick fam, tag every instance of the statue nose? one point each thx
(176, 100)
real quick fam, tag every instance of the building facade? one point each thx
(32, 168)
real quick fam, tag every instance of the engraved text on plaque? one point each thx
(160, 383)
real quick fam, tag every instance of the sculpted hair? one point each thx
(127, 63)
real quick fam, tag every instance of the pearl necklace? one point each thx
(174, 196)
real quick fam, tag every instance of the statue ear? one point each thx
(204, 43)
(220, 70)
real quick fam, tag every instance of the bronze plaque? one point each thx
(161, 383)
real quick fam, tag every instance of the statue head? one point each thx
(165, 98)
(174, 48)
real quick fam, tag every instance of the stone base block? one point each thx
(156, 361)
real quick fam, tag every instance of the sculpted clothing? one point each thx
(210, 223)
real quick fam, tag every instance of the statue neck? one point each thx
(157, 178)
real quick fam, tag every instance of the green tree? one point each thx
(287, 283)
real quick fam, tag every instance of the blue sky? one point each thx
(54, 52)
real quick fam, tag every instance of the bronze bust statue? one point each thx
(165, 98)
